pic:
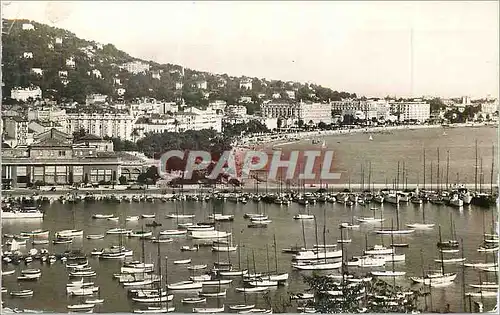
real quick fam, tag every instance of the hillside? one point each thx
(68, 68)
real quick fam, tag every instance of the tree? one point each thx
(80, 133)
(376, 296)
(322, 125)
(300, 123)
(123, 180)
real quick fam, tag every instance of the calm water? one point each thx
(383, 152)
(386, 150)
(50, 289)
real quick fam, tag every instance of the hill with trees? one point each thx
(68, 68)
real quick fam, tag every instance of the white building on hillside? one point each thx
(23, 94)
(246, 84)
(135, 67)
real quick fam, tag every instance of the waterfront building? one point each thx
(95, 98)
(115, 125)
(53, 159)
(275, 109)
(315, 112)
(412, 110)
(306, 111)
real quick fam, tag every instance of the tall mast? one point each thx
(424, 168)
(397, 181)
(275, 254)
(370, 176)
(447, 167)
(481, 175)
(438, 179)
(475, 171)
(492, 166)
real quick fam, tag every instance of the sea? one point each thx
(256, 250)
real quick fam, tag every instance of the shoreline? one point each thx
(195, 190)
(295, 137)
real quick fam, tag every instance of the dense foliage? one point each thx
(241, 129)
(376, 296)
(51, 57)
(155, 144)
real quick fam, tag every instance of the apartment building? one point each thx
(102, 124)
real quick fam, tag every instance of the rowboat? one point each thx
(369, 220)
(485, 285)
(450, 260)
(212, 294)
(252, 290)
(173, 232)
(162, 240)
(196, 267)
(22, 293)
(183, 261)
(483, 294)
(69, 233)
(36, 233)
(193, 300)
(40, 242)
(140, 234)
(114, 218)
(63, 240)
(80, 306)
(95, 236)
(132, 218)
(8, 272)
(421, 226)
(102, 216)
(209, 310)
(154, 299)
(148, 216)
(185, 285)
(155, 310)
(94, 301)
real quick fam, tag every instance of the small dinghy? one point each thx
(148, 216)
(102, 216)
(190, 249)
(63, 240)
(213, 294)
(183, 261)
(162, 240)
(153, 224)
(209, 310)
(7, 272)
(155, 310)
(132, 218)
(22, 293)
(193, 300)
(40, 242)
(252, 290)
(95, 236)
(241, 307)
(114, 219)
(197, 267)
(173, 232)
(94, 301)
(80, 306)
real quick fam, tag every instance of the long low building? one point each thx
(53, 159)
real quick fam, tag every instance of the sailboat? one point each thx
(397, 231)
(450, 244)
(390, 273)
(439, 278)
(161, 295)
(423, 225)
(241, 307)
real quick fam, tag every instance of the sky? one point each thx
(374, 49)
